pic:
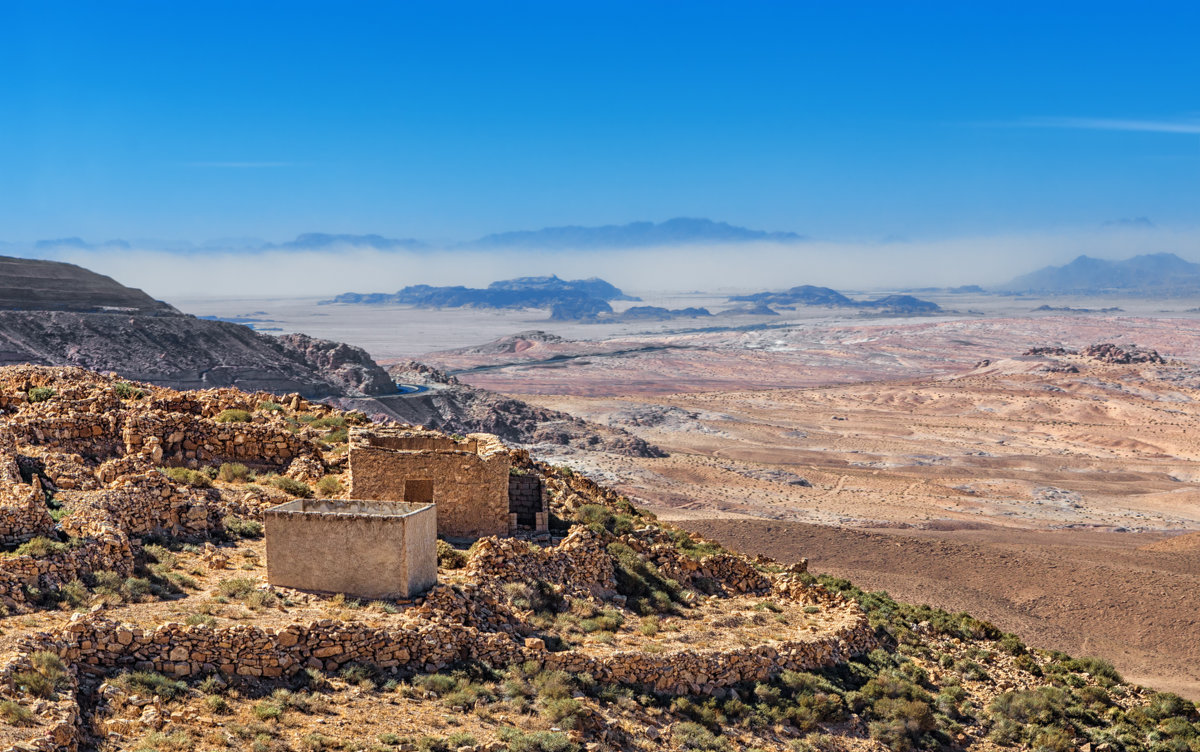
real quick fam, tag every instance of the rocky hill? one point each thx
(810, 295)
(34, 285)
(61, 314)
(447, 405)
(567, 300)
(139, 616)
(1148, 274)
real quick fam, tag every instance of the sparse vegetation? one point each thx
(234, 472)
(127, 391)
(292, 487)
(193, 478)
(240, 527)
(233, 415)
(39, 394)
(449, 557)
(329, 487)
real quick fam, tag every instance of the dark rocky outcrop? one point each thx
(64, 315)
(35, 285)
(447, 405)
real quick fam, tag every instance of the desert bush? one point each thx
(160, 741)
(151, 682)
(242, 528)
(641, 583)
(270, 407)
(39, 394)
(127, 391)
(245, 589)
(15, 714)
(292, 487)
(48, 674)
(40, 548)
(268, 711)
(329, 421)
(217, 704)
(196, 620)
(536, 741)
(193, 478)
(233, 415)
(337, 436)
(234, 472)
(691, 735)
(449, 557)
(536, 595)
(329, 486)
(600, 518)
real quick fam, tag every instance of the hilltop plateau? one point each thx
(139, 618)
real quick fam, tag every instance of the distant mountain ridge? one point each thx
(1148, 274)
(567, 300)
(811, 295)
(677, 231)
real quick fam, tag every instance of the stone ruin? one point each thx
(366, 549)
(471, 481)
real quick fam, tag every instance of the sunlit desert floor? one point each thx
(1057, 504)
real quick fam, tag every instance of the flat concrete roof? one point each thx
(349, 507)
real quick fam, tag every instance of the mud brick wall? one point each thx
(469, 478)
(369, 550)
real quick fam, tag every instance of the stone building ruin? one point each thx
(367, 549)
(471, 481)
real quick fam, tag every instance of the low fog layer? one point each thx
(724, 267)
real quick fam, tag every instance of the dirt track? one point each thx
(1121, 596)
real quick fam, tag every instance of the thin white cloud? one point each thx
(239, 164)
(1106, 124)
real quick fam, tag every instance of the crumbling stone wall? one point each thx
(466, 479)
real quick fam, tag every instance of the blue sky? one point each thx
(448, 120)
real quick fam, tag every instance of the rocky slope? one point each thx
(33, 285)
(446, 404)
(61, 314)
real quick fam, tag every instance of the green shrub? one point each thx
(127, 391)
(267, 711)
(151, 682)
(270, 407)
(292, 487)
(449, 557)
(40, 548)
(600, 518)
(536, 595)
(15, 714)
(233, 416)
(536, 741)
(217, 704)
(329, 421)
(46, 677)
(39, 394)
(242, 528)
(193, 478)
(329, 487)
(641, 583)
(196, 620)
(234, 472)
(691, 735)
(337, 436)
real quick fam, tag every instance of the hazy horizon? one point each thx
(715, 266)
